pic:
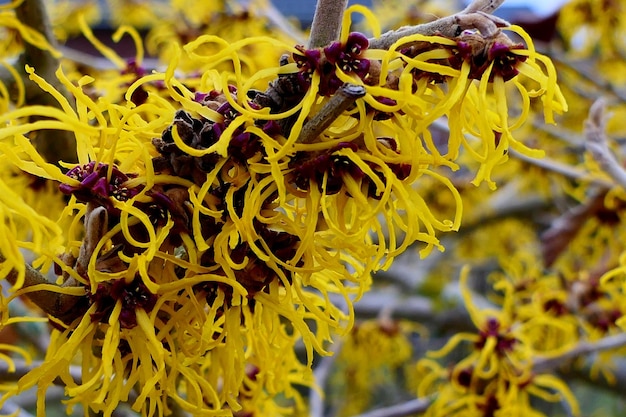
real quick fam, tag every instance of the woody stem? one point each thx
(53, 303)
(326, 25)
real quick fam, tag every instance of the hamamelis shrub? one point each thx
(222, 212)
(546, 250)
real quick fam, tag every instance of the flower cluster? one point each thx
(497, 375)
(371, 357)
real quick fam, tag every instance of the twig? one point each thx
(574, 139)
(321, 374)
(597, 143)
(60, 305)
(65, 307)
(415, 308)
(96, 222)
(345, 96)
(326, 28)
(542, 365)
(564, 228)
(408, 408)
(475, 16)
(326, 25)
(560, 168)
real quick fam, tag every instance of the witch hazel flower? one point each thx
(481, 52)
(346, 56)
(98, 186)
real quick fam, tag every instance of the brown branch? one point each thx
(56, 304)
(33, 13)
(556, 239)
(326, 25)
(63, 306)
(341, 101)
(325, 30)
(475, 16)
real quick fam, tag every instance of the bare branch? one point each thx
(564, 228)
(341, 101)
(33, 13)
(542, 365)
(326, 25)
(597, 143)
(408, 408)
(96, 219)
(57, 304)
(321, 374)
(475, 16)
(560, 168)
(484, 6)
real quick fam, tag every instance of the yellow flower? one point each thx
(139, 14)
(65, 16)
(234, 24)
(211, 216)
(497, 375)
(14, 33)
(368, 358)
(594, 26)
